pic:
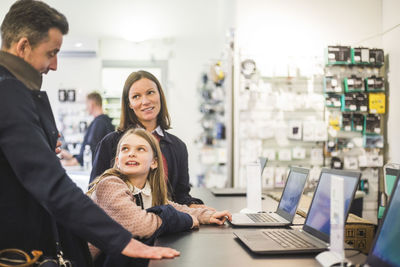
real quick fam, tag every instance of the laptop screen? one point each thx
(318, 216)
(385, 251)
(293, 190)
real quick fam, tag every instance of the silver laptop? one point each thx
(314, 236)
(236, 191)
(287, 204)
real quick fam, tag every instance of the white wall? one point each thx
(271, 29)
(391, 41)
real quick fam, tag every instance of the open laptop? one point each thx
(287, 204)
(386, 247)
(314, 236)
(236, 191)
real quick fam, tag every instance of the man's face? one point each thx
(43, 57)
(89, 106)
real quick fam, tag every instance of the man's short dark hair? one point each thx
(96, 98)
(31, 19)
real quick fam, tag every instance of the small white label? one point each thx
(353, 107)
(373, 111)
(371, 81)
(363, 108)
(347, 128)
(253, 175)
(350, 145)
(377, 130)
(350, 81)
(359, 128)
(337, 164)
(334, 82)
(337, 104)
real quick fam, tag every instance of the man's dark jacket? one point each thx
(173, 149)
(34, 185)
(98, 128)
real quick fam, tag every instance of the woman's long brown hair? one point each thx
(155, 176)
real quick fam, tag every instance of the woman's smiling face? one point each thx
(144, 100)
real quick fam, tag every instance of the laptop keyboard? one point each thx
(288, 239)
(262, 217)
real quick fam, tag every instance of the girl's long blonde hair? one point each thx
(155, 176)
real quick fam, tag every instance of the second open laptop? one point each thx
(287, 205)
(315, 234)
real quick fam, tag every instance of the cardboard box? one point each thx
(359, 233)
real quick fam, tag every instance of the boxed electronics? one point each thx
(338, 55)
(360, 55)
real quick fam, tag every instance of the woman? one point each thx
(143, 105)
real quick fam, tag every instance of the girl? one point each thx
(136, 183)
(144, 106)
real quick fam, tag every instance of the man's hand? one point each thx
(220, 217)
(58, 145)
(136, 249)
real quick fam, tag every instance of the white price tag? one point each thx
(253, 175)
(337, 216)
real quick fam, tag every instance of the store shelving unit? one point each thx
(355, 94)
(278, 117)
(112, 107)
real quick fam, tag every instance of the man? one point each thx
(34, 188)
(100, 127)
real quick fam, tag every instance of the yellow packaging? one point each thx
(377, 103)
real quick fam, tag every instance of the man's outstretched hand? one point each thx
(136, 249)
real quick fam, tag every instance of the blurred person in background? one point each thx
(98, 128)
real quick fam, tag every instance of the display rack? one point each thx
(72, 119)
(355, 93)
(280, 118)
(212, 141)
(112, 107)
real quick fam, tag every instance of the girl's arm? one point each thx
(203, 215)
(113, 195)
